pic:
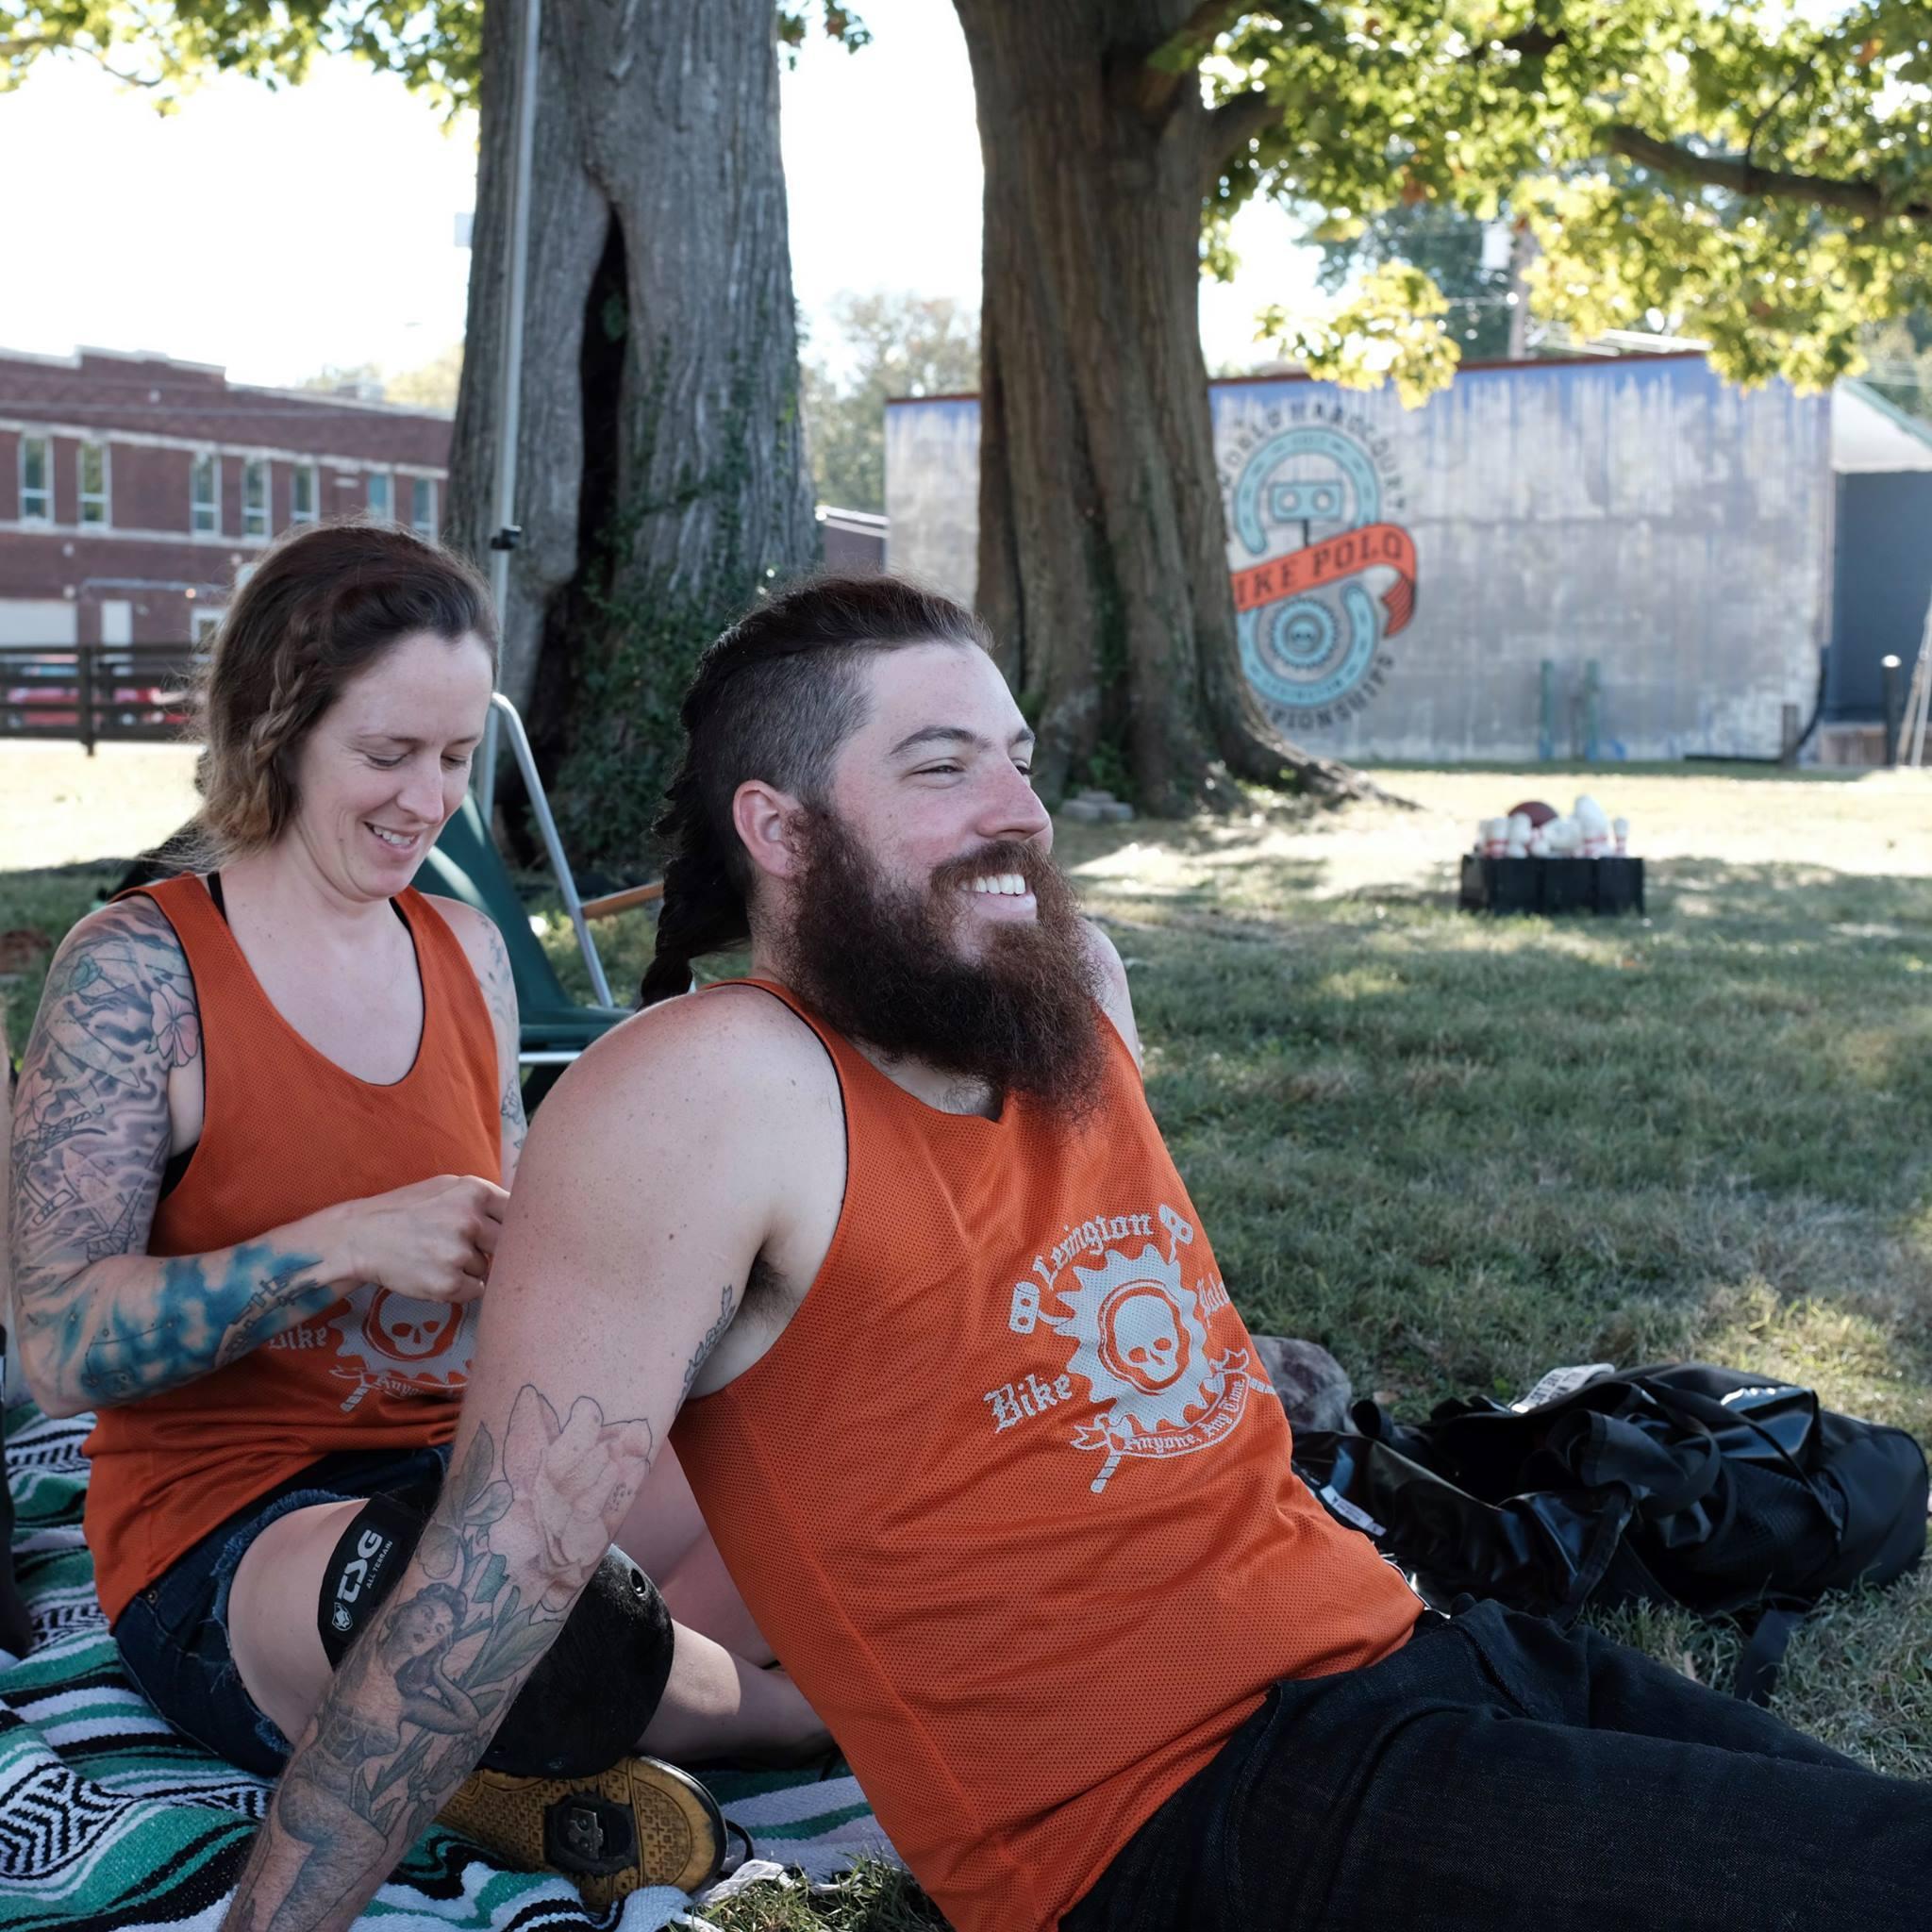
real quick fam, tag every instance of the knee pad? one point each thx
(594, 1690)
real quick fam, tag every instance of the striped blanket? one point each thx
(110, 1820)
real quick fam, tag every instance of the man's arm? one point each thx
(1115, 1000)
(647, 1190)
(100, 1321)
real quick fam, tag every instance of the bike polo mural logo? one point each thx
(1333, 578)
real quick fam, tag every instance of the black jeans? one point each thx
(1497, 1775)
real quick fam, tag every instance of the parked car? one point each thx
(44, 695)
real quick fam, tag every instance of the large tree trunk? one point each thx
(661, 477)
(1103, 565)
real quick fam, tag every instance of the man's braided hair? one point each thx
(774, 699)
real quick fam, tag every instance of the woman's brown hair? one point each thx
(318, 608)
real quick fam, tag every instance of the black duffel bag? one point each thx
(1724, 1492)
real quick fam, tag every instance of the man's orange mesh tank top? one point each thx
(286, 1133)
(1011, 1495)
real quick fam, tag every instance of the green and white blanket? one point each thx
(110, 1820)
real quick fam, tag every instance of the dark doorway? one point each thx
(1882, 580)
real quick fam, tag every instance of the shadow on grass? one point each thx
(1459, 1149)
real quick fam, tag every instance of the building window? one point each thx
(255, 497)
(382, 495)
(423, 506)
(205, 493)
(36, 479)
(93, 483)
(302, 493)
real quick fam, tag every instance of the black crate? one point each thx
(1551, 885)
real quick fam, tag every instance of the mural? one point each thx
(1322, 576)
(1634, 511)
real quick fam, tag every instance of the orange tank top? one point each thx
(1011, 1498)
(285, 1133)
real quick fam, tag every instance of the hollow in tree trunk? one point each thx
(660, 471)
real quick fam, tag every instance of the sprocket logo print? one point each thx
(405, 1347)
(1140, 1344)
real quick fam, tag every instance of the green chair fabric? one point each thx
(464, 864)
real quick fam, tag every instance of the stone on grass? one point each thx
(1313, 1385)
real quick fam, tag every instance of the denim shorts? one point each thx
(173, 1635)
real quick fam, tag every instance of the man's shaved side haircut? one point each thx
(774, 699)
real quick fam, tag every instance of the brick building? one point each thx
(134, 488)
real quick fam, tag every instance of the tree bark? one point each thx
(661, 467)
(1103, 546)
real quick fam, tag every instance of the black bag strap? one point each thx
(1604, 1542)
(1602, 1455)
(1690, 1405)
(1764, 1650)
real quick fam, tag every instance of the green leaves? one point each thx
(1757, 175)
(840, 24)
(1391, 330)
(168, 49)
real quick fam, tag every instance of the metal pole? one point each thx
(84, 696)
(1888, 665)
(510, 370)
(546, 828)
(1918, 714)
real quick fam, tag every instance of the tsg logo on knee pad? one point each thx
(368, 1558)
(371, 1548)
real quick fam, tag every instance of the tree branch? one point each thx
(1157, 81)
(1229, 127)
(1741, 176)
(18, 47)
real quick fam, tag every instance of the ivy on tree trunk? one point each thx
(1102, 566)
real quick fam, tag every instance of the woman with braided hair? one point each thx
(268, 1118)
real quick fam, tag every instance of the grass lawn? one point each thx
(1459, 1152)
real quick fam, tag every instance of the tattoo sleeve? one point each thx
(101, 1321)
(500, 995)
(526, 1514)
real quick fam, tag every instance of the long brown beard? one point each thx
(880, 964)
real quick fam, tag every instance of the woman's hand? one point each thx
(431, 1242)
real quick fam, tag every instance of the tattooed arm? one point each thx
(482, 944)
(101, 1321)
(603, 1307)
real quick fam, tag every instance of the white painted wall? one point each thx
(39, 621)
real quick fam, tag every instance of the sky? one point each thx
(275, 233)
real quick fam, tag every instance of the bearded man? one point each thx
(977, 1429)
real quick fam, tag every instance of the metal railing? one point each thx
(97, 691)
